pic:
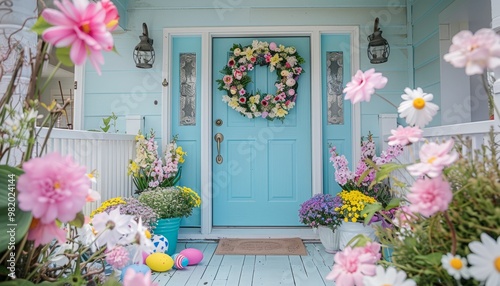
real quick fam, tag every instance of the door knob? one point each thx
(218, 138)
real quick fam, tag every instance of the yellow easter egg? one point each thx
(159, 262)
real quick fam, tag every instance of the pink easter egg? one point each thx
(193, 255)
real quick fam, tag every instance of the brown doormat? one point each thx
(267, 246)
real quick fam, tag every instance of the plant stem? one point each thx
(386, 100)
(453, 233)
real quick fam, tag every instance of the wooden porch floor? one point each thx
(250, 270)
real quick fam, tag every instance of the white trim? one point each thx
(207, 33)
(166, 124)
(78, 112)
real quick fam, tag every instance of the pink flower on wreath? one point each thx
(250, 67)
(433, 158)
(53, 187)
(237, 74)
(350, 266)
(243, 68)
(268, 57)
(291, 92)
(227, 79)
(231, 62)
(405, 135)
(363, 85)
(243, 99)
(273, 46)
(475, 52)
(82, 26)
(242, 91)
(133, 278)
(264, 103)
(429, 196)
(43, 233)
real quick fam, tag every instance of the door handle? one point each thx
(218, 138)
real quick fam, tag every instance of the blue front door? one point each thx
(265, 173)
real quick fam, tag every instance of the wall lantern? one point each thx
(144, 54)
(378, 47)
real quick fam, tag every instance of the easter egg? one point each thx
(180, 261)
(160, 243)
(138, 268)
(159, 262)
(193, 255)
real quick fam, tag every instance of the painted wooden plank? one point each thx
(299, 272)
(236, 263)
(315, 264)
(247, 272)
(272, 270)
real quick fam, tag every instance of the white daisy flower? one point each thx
(112, 227)
(139, 237)
(456, 266)
(388, 277)
(416, 107)
(485, 260)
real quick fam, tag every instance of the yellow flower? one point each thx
(281, 112)
(275, 59)
(181, 154)
(133, 168)
(354, 219)
(107, 204)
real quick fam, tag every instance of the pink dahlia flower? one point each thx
(133, 278)
(363, 85)
(43, 233)
(53, 187)
(350, 266)
(429, 196)
(118, 257)
(433, 158)
(475, 52)
(405, 135)
(82, 26)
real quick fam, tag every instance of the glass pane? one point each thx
(188, 89)
(334, 77)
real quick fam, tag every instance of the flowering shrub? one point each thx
(363, 178)
(320, 210)
(171, 202)
(148, 170)
(446, 228)
(129, 206)
(353, 203)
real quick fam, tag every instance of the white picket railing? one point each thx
(106, 153)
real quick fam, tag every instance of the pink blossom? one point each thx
(405, 135)
(82, 26)
(433, 158)
(350, 266)
(475, 52)
(242, 91)
(112, 17)
(363, 85)
(429, 196)
(53, 187)
(43, 233)
(273, 46)
(291, 92)
(250, 67)
(237, 74)
(227, 79)
(133, 278)
(118, 257)
(230, 63)
(372, 248)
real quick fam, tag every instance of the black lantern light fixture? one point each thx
(144, 54)
(378, 47)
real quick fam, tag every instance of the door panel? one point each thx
(266, 170)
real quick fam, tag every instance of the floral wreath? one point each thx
(285, 60)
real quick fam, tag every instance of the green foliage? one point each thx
(40, 26)
(170, 202)
(11, 217)
(62, 55)
(108, 122)
(475, 182)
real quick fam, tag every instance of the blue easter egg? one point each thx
(180, 261)
(160, 243)
(138, 268)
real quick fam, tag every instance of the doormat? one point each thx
(267, 246)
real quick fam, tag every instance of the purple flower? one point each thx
(320, 210)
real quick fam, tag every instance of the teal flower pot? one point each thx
(387, 253)
(169, 228)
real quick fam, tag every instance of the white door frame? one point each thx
(207, 33)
